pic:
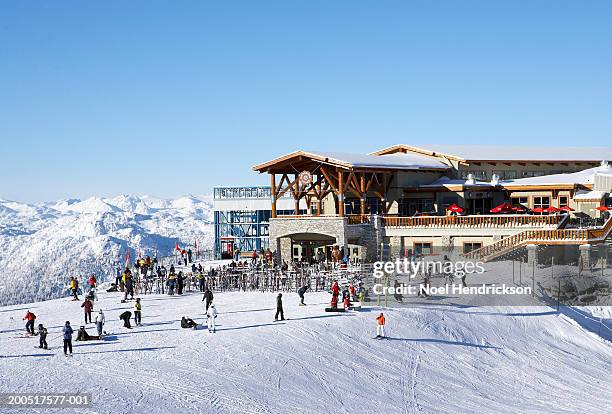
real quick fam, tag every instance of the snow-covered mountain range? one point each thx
(42, 245)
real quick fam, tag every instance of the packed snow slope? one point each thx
(42, 245)
(438, 359)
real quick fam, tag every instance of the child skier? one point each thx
(347, 303)
(137, 314)
(42, 333)
(100, 322)
(301, 292)
(211, 314)
(380, 326)
(125, 317)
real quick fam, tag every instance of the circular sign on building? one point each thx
(305, 177)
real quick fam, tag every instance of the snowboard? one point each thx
(334, 309)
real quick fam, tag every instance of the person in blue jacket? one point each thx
(67, 338)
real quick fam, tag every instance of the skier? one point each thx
(347, 303)
(180, 282)
(352, 291)
(301, 292)
(74, 286)
(30, 318)
(42, 332)
(125, 317)
(201, 280)
(129, 284)
(190, 255)
(88, 306)
(211, 315)
(208, 297)
(380, 326)
(92, 281)
(82, 335)
(335, 288)
(100, 322)
(279, 308)
(137, 314)
(334, 302)
(67, 338)
(171, 281)
(187, 322)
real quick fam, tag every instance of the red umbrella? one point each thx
(538, 210)
(603, 208)
(566, 208)
(518, 209)
(551, 209)
(502, 208)
(455, 208)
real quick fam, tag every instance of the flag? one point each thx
(177, 247)
(127, 258)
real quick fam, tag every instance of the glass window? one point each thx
(524, 201)
(539, 201)
(563, 201)
(422, 248)
(469, 246)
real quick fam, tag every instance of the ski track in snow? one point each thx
(437, 359)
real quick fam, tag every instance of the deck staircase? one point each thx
(559, 236)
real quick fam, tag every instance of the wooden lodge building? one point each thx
(401, 200)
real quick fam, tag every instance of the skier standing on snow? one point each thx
(180, 282)
(67, 338)
(88, 306)
(279, 307)
(74, 286)
(347, 303)
(125, 317)
(100, 322)
(42, 333)
(30, 318)
(137, 314)
(380, 326)
(211, 314)
(301, 291)
(129, 284)
(92, 281)
(208, 297)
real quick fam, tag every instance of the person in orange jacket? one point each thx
(30, 318)
(380, 327)
(347, 303)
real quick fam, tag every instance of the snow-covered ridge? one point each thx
(42, 245)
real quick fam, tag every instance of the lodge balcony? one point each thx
(444, 222)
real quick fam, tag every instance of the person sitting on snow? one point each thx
(187, 322)
(82, 335)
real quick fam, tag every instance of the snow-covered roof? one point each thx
(448, 182)
(394, 161)
(508, 152)
(583, 177)
(589, 195)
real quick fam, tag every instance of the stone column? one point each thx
(585, 256)
(532, 254)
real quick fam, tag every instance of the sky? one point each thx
(170, 98)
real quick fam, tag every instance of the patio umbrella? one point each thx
(502, 208)
(566, 208)
(551, 209)
(455, 208)
(603, 208)
(538, 210)
(518, 209)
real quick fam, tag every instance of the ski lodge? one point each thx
(402, 200)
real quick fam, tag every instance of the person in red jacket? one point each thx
(347, 303)
(335, 288)
(30, 318)
(88, 305)
(334, 302)
(92, 281)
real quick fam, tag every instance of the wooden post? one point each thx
(296, 197)
(273, 188)
(340, 194)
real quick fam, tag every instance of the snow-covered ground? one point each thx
(439, 358)
(42, 245)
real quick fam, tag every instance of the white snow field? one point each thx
(437, 359)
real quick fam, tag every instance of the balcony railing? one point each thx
(507, 220)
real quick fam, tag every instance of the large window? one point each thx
(563, 201)
(505, 174)
(541, 201)
(423, 248)
(412, 206)
(469, 246)
(524, 201)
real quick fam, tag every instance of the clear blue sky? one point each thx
(168, 98)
